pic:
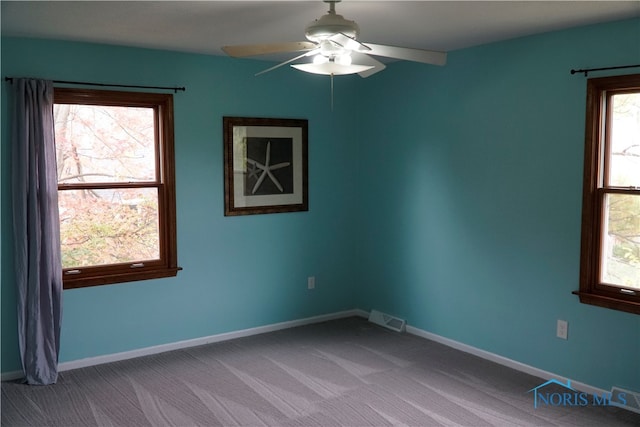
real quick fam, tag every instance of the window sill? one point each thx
(608, 302)
(108, 279)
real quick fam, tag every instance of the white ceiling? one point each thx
(205, 26)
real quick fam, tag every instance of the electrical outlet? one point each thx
(311, 282)
(562, 329)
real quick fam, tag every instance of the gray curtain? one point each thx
(38, 266)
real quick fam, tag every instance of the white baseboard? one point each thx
(12, 375)
(115, 357)
(501, 360)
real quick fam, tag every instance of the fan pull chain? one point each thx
(332, 92)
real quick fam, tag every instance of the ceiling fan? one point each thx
(334, 48)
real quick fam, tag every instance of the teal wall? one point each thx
(470, 208)
(449, 196)
(239, 272)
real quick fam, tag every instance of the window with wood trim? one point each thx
(116, 186)
(610, 249)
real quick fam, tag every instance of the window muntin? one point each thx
(610, 254)
(116, 188)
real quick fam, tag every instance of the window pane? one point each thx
(621, 241)
(100, 227)
(104, 144)
(625, 141)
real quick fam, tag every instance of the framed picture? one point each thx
(265, 165)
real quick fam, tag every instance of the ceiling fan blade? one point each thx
(239, 51)
(349, 43)
(361, 58)
(408, 54)
(312, 52)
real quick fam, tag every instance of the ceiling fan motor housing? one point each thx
(330, 24)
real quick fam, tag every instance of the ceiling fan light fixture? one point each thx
(332, 68)
(320, 59)
(343, 59)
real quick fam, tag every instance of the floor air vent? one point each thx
(630, 399)
(387, 321)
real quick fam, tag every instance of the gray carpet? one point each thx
(345, 372)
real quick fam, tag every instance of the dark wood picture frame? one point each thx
(265, 165)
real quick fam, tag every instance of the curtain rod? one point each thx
(175, 89)
(588, 70)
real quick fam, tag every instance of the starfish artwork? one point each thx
(261, 171)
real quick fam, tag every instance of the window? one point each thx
(116, 186)
(610, 250)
